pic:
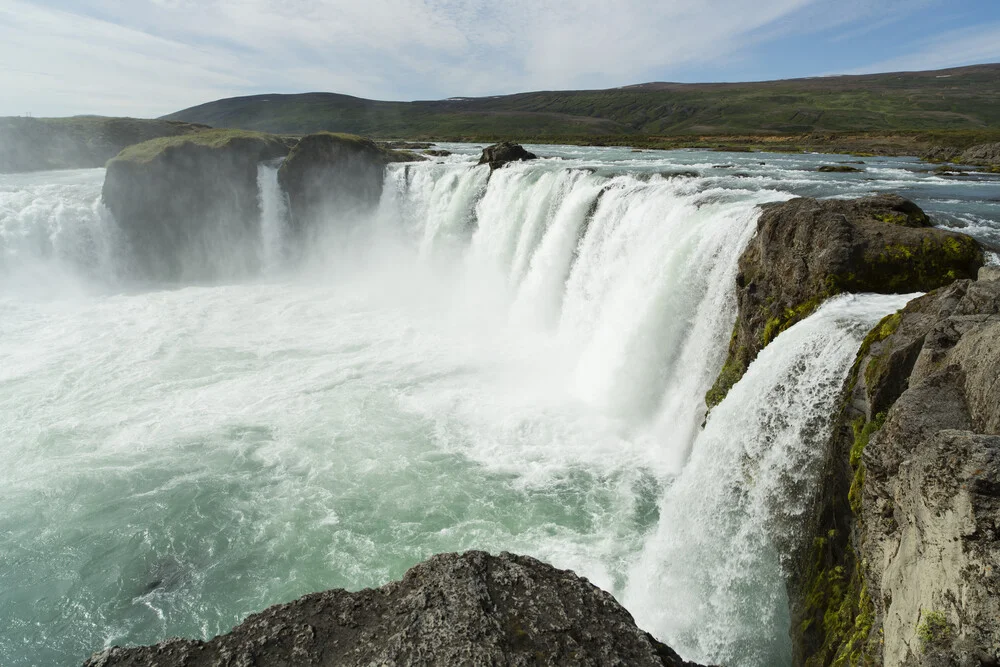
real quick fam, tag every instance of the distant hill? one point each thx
(964, 98)
(31, 144)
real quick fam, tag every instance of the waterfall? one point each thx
(57, 236)
(634, 275)
(273, 217)
(508, 360)
(709, 581)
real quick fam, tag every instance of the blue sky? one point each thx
(151, 57)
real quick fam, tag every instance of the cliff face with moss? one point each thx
(183, 202)
(903, 566)
(807, 250)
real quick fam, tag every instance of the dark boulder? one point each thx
(454, 609)
(331, 176)
(500, 154)
(187, 205)
(839, 169)
(807, 250)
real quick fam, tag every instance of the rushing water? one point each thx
(514, 362)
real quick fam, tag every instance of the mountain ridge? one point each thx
(954, 99)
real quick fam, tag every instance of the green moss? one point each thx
(935, 262)
(842, 605)
(863, 431)
(935, 629)
(797, 313)
(892, 218)
(730, 374)
(148, 150)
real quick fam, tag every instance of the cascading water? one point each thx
(710, 579)
(512, 360)
(273, 218)
(56, 235)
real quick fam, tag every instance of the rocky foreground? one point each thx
(454, 609)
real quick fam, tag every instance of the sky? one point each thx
(147, 58)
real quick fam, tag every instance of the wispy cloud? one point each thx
(954, 48)
(149, 57)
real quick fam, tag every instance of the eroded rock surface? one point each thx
(454, 609)
(334, 178)
(904, 566)
(500, 154)
(184, 203)
(807, 250)
(982, 154)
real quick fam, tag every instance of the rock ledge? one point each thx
(454, 609)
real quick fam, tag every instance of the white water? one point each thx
(727, 521)
(515, 362)
(273, 218)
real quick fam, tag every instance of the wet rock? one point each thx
(437, 152)
(807, 250)
(839, 169)
(903, 570)
(500, 154)
(454, 609)
(334, 178)
(181, 202)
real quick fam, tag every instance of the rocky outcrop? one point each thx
(454, 609)
(807, 250)
(986, 155)
(330, 176)
(500, 154)
(185, 203)
(904, 568)
(32, 144)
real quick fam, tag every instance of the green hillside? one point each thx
(959, 99)
(29, 144)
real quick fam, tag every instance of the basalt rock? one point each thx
(807, 250)
(454, 609)
(500, 154)
(903, 569)
(184, 202)
(335, 177)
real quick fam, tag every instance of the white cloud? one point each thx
(149, 57)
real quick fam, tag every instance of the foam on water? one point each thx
(512, 360)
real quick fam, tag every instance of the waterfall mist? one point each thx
(507, 361)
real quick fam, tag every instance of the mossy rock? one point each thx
(263, 146)
(807, 250)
